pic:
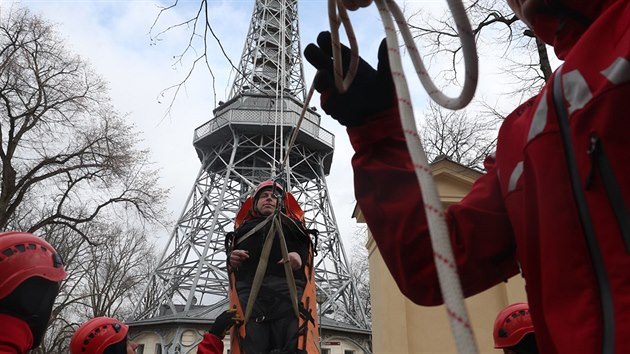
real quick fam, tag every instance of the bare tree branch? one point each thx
(494, 22)
(457, 136)
(196, 50)
(61, 140)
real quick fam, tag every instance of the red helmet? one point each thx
(267, 184)
(511, 325)
(24, 255)
(95, 335)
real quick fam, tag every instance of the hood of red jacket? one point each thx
(561, 23)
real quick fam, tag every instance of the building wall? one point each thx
(399, 325)
(340, 346)
(151, 340)
(147, 342)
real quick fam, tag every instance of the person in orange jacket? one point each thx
(273, 325)
(30, 273)
(514, 331)
(554, 199)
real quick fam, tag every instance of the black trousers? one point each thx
(273, 326)
(275, 336)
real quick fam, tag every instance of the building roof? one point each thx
(205, 315)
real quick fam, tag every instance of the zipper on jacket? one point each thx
(600, 162)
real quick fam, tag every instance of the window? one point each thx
(347, 351)
(140, 349)
(158, 348)
(325, 351)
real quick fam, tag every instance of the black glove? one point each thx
(32, 301)
(371, 91)
(222, 323)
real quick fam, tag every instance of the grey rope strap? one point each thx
(288, 271)
(254, 230)
(260, 271)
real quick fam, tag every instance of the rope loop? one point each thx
(337, 15)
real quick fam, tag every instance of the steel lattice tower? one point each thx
(241, 146)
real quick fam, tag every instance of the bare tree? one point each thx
(495, 27)
(71, 171)
(359, 269)
(114, 270)
(67, 157)
(458, 136)
(63, 322)
(196, 49)
(467, 137)
(102, 280)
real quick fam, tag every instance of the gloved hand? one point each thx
(372, 91)
(223, 322)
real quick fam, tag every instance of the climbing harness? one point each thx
(274, 230)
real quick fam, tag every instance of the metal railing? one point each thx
(251, 114)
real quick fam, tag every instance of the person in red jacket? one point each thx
(102, 335)
(554, 199)
(30, 272)
(212, 342)
(514, 331)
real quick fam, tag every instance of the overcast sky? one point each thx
(114, 36)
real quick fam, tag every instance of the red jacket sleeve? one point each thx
(15, 335)
(210, 344)
(388, 194)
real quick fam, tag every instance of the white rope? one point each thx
(442, 249)
(468, 48)
(295, 131)
(337, 15)
(279, 96)
(281, 76)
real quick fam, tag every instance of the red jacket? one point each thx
(210, 344)
(15, 335)
(522, 211)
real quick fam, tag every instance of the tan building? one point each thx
(399, 325)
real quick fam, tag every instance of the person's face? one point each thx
(266, 203)
(131, 347)
(526, 9)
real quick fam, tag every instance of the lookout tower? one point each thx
(244, 144)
